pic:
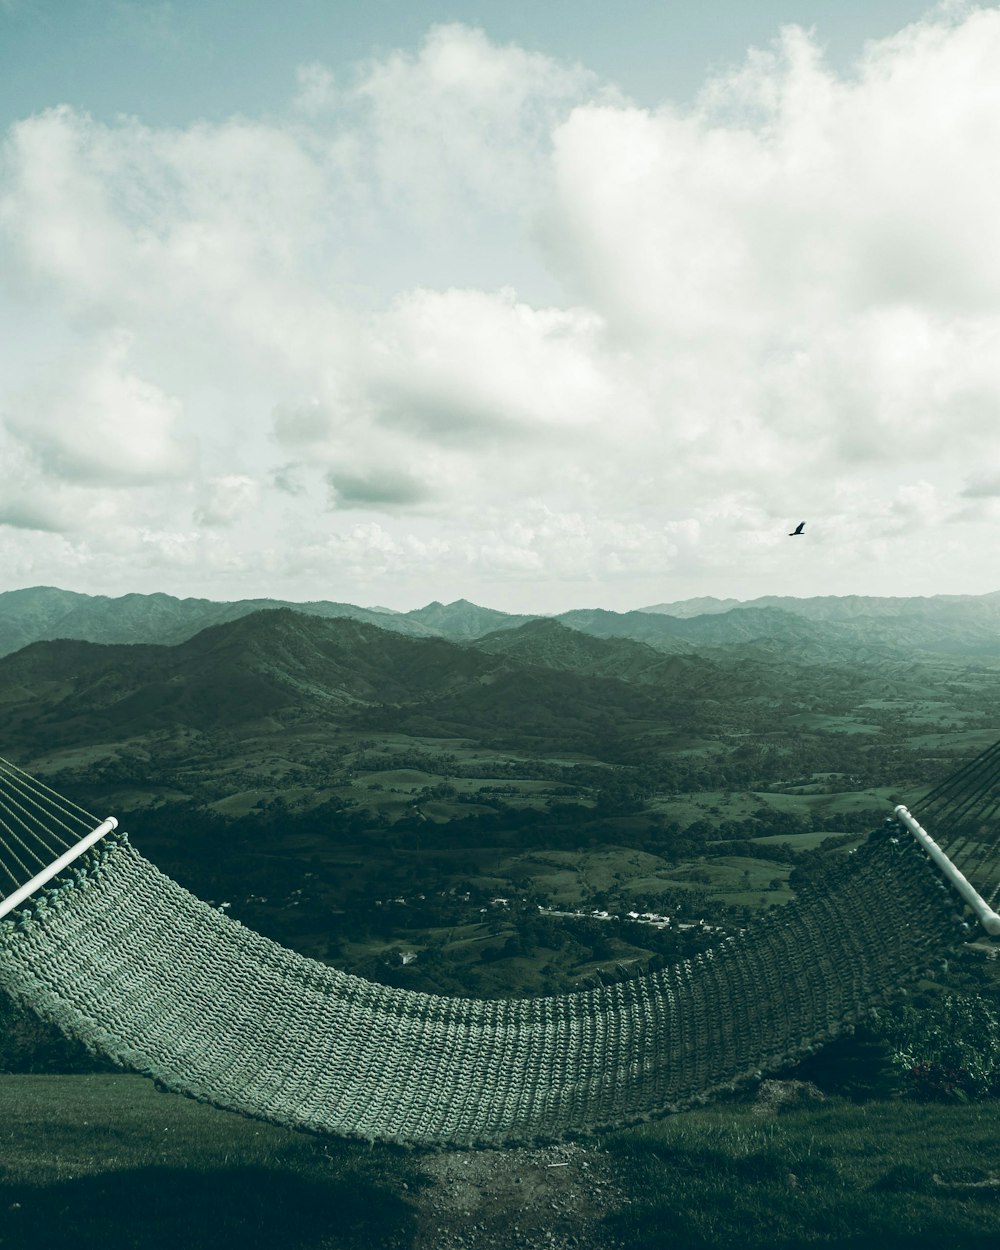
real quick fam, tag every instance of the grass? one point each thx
(107, 1162)
(887, 1175)
(805, 841)
(832, 724)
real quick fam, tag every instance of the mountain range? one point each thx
(372, 732)
(577, 684)
(825, 628)
(292, 668)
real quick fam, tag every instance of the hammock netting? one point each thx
(963, 814)
(126, 960)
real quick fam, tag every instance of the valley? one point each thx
(520, 811)
(367, 795)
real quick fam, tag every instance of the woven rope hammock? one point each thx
(123, 958)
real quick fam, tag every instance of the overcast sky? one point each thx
(539, 304)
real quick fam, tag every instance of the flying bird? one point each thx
(797, 532)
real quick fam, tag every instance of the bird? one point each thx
(797, 532)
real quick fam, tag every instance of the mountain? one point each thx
(701, 606)
(279, 671)
(462, 621)
(45, 613)
(823, 629)
(322, 708)
(231, 675)
(950, 624)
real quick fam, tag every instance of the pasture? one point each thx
(108, 1163)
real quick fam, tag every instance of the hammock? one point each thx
(126, 960)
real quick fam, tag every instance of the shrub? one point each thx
(27, 1044)
(945, 1049)
(949, 1049)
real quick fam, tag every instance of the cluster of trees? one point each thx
(944, 1048)
(939, 1043)
(28, 1044)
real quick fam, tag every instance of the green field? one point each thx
(108, 1163)
(889, 1176)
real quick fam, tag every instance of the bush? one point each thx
(29, 1045)
(947, 1050)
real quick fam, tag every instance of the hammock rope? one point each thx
(37, 825)
(123, 958)
(963, 814)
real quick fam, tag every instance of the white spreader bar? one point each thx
(25, 891)
(985, 914)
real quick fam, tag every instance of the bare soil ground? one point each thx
(550, 1198)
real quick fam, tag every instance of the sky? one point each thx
(540, 305)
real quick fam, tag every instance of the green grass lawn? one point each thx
(805, 841)
(108, 1163)
(889, 1175)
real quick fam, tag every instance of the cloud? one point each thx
(533, 332)
(465, 118)
(95, 421)
(287, 478)
(789, 195)
(316, 89)
(227, 499)
(30, 512)
(376, 489)
(467, 365)
(983, 486)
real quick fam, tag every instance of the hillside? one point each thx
(548, 683)
(947, 624)
(361, 794)
(44, 613)
(281, 669)
(463, 621)
(828, 629)
(231, 675)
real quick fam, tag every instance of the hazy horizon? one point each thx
(483, 302)
(414, 607)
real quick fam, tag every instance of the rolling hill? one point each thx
(45, 613)
(280, 671)
(827, 629)
(948, 624)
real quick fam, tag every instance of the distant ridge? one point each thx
(45, 613)
(957, 624)
(830, 607)
(820, 628)
(462, 621)
(702, 606)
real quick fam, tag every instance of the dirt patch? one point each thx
(549, 1198)
(776, 1096)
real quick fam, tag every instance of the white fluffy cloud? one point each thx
(472, 323)
(226, 500)
(93, 421)
(464, 119)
